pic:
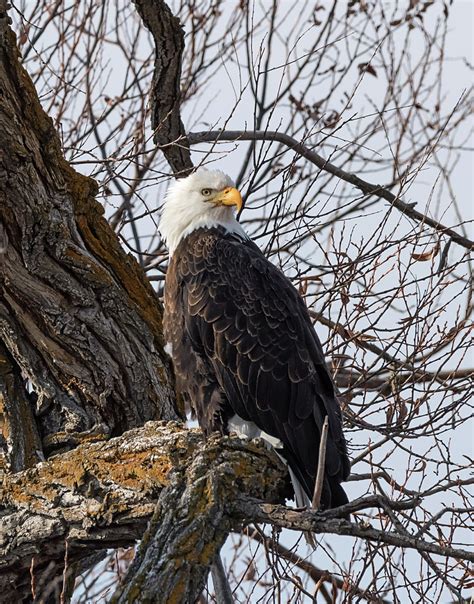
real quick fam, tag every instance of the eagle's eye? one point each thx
(206, 192)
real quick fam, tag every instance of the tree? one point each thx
(94, 446)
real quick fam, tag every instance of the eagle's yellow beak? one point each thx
(229, 197)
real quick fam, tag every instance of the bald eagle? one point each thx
(245, 353)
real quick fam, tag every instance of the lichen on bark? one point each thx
(101, 495)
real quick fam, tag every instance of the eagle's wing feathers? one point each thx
(254, 329)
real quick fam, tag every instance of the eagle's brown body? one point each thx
(243, 344)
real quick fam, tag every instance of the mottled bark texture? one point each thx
(101, 495)
(20, 444)
(165, 92)
(192, 520)
(77, 315)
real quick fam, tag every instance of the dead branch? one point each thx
(325, 165)
(100, 495)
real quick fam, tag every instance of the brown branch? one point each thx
(101, 495)
(323, 164)
(165, 96)
(277, 515)
(349, 377)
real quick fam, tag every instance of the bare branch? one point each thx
(254, 511)
(165, 96)
(315, 573)
(325, 165)
(220, 582)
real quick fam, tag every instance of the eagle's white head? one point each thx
(206, 198)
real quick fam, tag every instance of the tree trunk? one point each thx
(78, 317)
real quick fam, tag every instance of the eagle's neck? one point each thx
(174, 226)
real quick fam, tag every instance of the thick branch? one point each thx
(323, 164)
(191, 522)
(165, 93)
(101, 495)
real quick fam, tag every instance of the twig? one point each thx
(62, 597)
(444, 256)
(32, 578)
(222, 589)
(308, 567)
(318, 485)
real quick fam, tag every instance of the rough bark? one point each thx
(101, 495)
(77, 314)
(191, 520)
(20, 444)
(165, 93)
